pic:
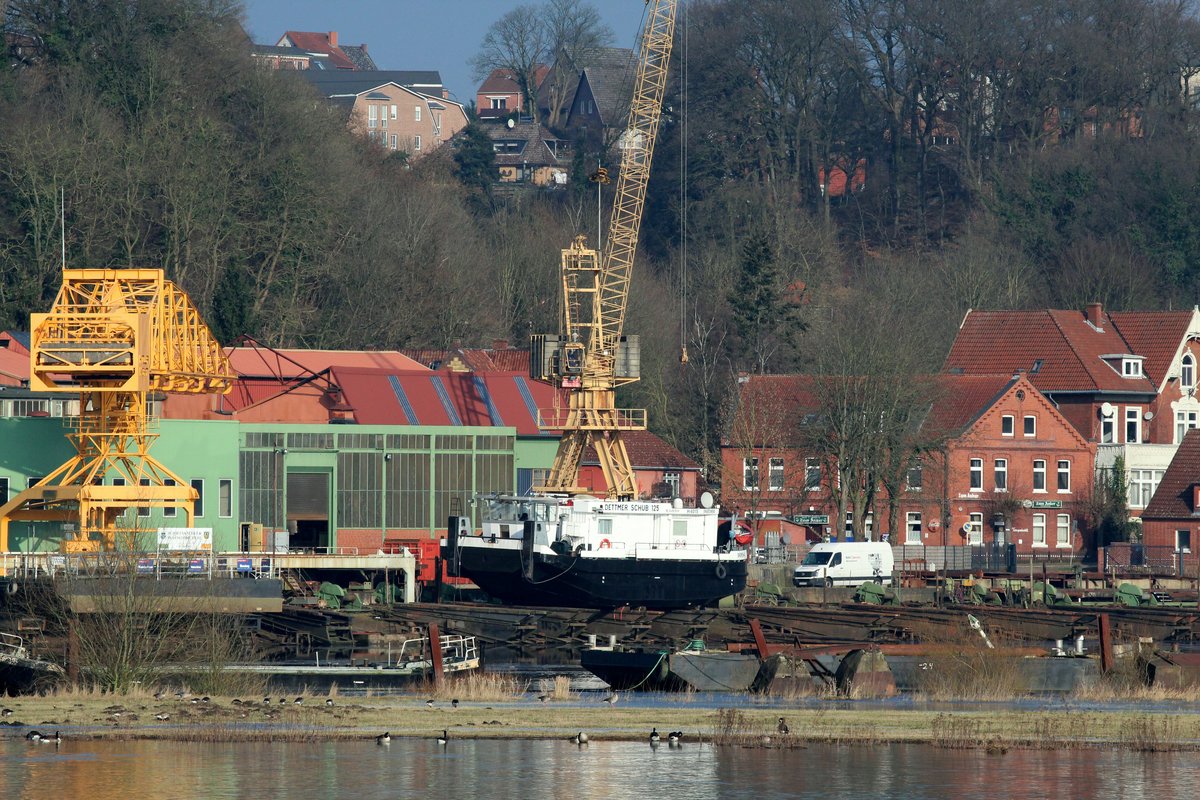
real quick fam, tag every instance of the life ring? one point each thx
(721, 572)
(605, 543)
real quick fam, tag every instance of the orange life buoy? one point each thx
(605, 543)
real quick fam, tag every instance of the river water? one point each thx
(498, 769)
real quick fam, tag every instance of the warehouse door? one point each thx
(308, 509)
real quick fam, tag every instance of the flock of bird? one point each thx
(674, 738)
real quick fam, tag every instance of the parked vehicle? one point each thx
(845, 564)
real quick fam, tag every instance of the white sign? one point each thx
(189, 539)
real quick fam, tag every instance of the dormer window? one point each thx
(1187, 372)
(1131, 367)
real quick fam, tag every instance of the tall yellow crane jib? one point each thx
(590, 358)
(114, 337)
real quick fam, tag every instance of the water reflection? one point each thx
(559, 769)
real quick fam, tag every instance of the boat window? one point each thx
(816, 559)
(605, 527)
(679, 527)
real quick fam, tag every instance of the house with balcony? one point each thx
(1125, 380)
(398, 110)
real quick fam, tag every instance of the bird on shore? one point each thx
(162, 717)
(8, 712)
(454, 703)
(384, 738)
(266, 701)
(444, 739)
(543, 698)
(299, 701)
(782, 728)
(33, 736)
(654, 737)
(579, 738)
(195, 700)
(611, 699)
(159, 695)
(429, 704)
(181, 694)
(674, 737)
(283, 701)
(329, 702)
(237, 701)
(206, 699)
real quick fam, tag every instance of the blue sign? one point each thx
(245, 565)
(196, 565)
(145, 566)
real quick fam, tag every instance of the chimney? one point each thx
(499, 344)
(363, 47)
(1094, 313)
(1196, 497)
(333, 39)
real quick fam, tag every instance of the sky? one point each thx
(416, 34)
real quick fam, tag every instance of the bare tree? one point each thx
(519, 43)
(574, 27)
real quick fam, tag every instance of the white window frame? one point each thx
(1185, 421)
(1000, 474)
(416, 144)
(1063, 468)
(393, 110)
(1008, 425)
(224, 513)
(1039, 471)
(1133, 417)
(1143, 483)
(912, 527)
(198, 506)
(393, 141)
(416, 113)
(775, 470)
(976, 475)
(812, 474)
(1039, 530)
(383, 117)
(1108, 429)
(1062, 530)
(1187, 372)
(750, 468)
(1131, 367)
(372, 115)
(1030, 425)
(1179, 548)
(975, 535)
(674, 480)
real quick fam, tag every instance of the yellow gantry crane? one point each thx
(114, 337)
(590, 357)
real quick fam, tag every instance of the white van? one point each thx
(845, 564)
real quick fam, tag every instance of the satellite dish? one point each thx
(512, 123)
(706, 500)
(1106, 409)
(1149, 415)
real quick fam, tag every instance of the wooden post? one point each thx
(435, 654)
(1106, 645)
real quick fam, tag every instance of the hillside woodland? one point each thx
(992, 154)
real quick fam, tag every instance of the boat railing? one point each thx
(455, 647)
(12, 645)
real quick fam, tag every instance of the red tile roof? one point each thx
(501, 359)
(262, 361)
(647, 451)
(961, 399)
(1173, 498)
(1156, 335)
(318, 42)
(1059, 350)
(770, 408)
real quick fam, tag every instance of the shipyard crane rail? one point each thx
(117, 338)
(590, 358)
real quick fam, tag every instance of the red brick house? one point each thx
(1125, 380)
(501, 95)
(326, 52)
(1008, 467)
(661, 470)
(1172, 519)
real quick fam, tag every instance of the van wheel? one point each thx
(829, 583)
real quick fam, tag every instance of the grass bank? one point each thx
(81, 715)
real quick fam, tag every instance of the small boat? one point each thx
(587, 552)
(693, 668)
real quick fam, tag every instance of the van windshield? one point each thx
(816, 559)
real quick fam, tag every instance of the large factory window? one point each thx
(359, 489)
(408, 481)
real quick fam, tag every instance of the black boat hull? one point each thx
(660, 584)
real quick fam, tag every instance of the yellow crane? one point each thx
(590, 357)
(115, 337)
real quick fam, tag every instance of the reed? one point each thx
(561, 689)
(971, 674)
(478, 687)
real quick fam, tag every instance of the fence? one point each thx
(1145, 559)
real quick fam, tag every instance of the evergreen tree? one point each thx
(475, 158)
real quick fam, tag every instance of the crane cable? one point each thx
(683, 197)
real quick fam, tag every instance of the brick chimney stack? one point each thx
(1094, 314)
(333, 39)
